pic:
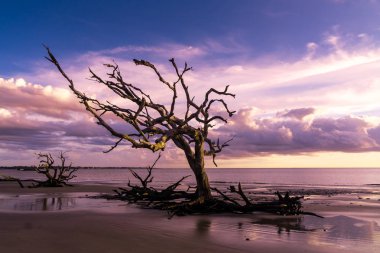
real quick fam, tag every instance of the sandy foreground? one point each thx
(64, 220)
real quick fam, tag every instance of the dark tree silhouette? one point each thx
(155, 124)
(56, 175)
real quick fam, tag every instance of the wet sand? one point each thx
(63, 220)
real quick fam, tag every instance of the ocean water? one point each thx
(337, 177)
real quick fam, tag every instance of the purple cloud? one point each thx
(374, 133)
(288, 133)
(299, 113)
(35, 117)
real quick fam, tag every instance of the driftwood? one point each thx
(21, 182)
(148, 178)
(151, 195)
(56, 176)
(12, 179)
(283, 205)
(185, 202)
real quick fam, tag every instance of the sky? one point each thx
(305, 74)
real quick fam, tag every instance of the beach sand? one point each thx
(64, 220)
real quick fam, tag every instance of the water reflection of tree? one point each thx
(45, 204)
(284, 225)
(203, 226)
(58, 203)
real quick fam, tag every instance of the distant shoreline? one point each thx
(31, 168)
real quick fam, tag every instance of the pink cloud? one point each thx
(27, 98)
(36, 117)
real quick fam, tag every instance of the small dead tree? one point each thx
(155, 124)
(58, 175)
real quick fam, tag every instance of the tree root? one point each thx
(187, 202)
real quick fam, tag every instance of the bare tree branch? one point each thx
(154, 124)
(148, 178)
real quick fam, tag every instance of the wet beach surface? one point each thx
(351, 222)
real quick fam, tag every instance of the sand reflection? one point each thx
(330, 233)
(22, 203)
(345, 232)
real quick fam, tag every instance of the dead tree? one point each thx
(57, 175)
(155, 124)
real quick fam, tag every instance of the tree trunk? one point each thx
(198, 167)
(197, 163)
(203, 185)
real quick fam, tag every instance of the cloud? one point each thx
(333, 94)
(164, 50)
(41, 118)
(262, 82)
(298, 113)
(374, 133)
(340, 82)
(36, 117)
(311, 49)
(289, 133)
(27, 98)
(334, 41)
